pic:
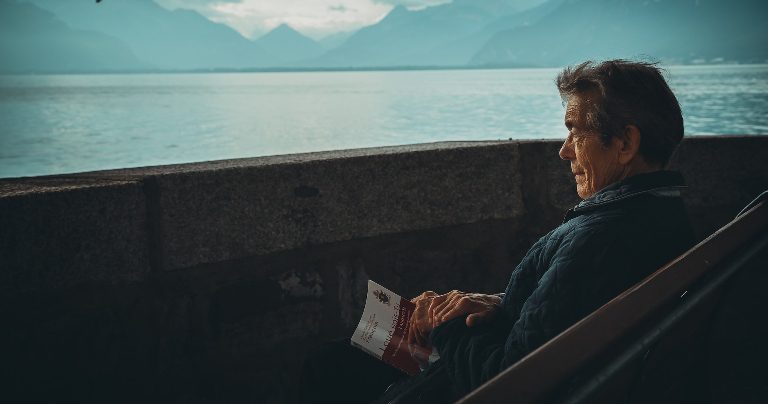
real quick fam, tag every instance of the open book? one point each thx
(383, 331)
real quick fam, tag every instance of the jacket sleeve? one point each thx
(474, 355)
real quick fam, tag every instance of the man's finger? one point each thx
(436, 306)
(444, 306)
(459, 307)
(476, 319)
(426, 295)
(456, 311)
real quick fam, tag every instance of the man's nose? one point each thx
(566, 150)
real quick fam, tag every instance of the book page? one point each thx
(383, 330)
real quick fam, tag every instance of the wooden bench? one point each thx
(650, 343)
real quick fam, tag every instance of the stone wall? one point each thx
(209, 282)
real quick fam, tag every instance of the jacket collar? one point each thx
(657, 183)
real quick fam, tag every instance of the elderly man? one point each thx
(623, 125)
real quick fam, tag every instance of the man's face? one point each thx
(593, 164)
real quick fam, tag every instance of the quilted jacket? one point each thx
(606, 244)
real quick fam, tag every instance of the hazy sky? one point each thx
(315, 18)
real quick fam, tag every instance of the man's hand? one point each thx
(421, 321)
(478, 307)
(433, 309)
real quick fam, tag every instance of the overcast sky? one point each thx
(315, 18)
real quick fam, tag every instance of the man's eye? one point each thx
(577, 137)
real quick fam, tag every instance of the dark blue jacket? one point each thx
(606, 243)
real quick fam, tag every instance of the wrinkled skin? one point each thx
(594, 164)
(433, 309)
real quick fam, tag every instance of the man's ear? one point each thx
(630, 144)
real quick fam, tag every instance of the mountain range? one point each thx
(80, 35)
(164, 39)
(34, 40)
(677, 31)
(424, 37)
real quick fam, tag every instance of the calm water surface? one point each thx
(72, 123)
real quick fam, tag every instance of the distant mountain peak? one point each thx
(287, 45)
(284, 26)
(284, 31)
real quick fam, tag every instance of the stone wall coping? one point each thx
(187, 215)
(14, 186)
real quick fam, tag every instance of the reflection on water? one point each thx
(71, 123)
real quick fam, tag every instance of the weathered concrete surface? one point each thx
(211, 212)
(107, 300)
(60, 232)
(723, 174)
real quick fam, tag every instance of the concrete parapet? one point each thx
(723, 174)
(264, 205)
(58, 232)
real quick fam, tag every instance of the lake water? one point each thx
(72, 123)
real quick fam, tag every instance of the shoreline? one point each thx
(332, 69)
